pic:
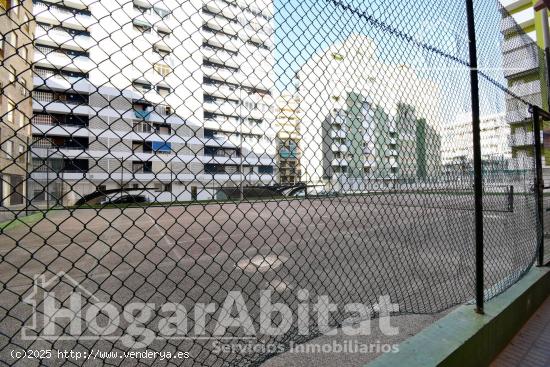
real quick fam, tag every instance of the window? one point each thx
(163, 91)
(265, 170)
(21, 120)
(26, 23)
(15, 7)
(337, 57)
(10, 113)
(24, 90)
(142, 27)
(13, 39)
(209, 134)
(21, 155)
(13, 73)
(162, 69)
(142, 9)
(163, 13)
(160, 51)
(9, 149)
(142, 167)
(163, 34)
(142, 87)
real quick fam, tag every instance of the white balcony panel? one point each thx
(63, 83)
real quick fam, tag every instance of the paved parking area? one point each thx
(418, 249)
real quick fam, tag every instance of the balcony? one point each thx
(519, 140)
(222, 152)
(338, 134)
(60, 79)
(524, 89)
(221, 7)
(221, 40)
(518, 116)
(62, 58)
(339, 148)
(515, 66)
(60, 143)
(142, 167)
(518, 21)
(60, 120)
(521, 163)
(46, 97)
(288, 153)
(222, 106)
(64, 36)
(56, 13)
(339, 162)
(219, 56)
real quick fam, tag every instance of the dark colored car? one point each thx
(125, 199)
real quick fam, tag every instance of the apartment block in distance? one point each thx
(16, 29)
(153, 96)
(287, 126)
(363, 119)
(364, 148)
(495, 139)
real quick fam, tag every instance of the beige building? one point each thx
(16, 53)
(287, 126)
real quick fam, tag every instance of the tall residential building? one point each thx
(16, 52)
(164, 96)
(287, 126)
(524, 71)
(365, 148)
(495, 139)
(355, 105)
(238, 82)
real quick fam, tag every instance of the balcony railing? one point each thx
(42, 96)
(518, 140)
(42, 143)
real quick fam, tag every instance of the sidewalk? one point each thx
(531, 345)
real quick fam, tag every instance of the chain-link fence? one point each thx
(165, 162)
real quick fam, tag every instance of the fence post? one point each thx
(478, 180)
(539, 184)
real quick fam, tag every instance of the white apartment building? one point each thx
(287, 125)
(151, 95)
(350, 68)
(495, 139)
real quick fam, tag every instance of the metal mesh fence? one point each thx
(163, 159)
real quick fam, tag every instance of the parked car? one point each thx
(125, 199)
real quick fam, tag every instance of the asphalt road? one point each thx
(419, 249)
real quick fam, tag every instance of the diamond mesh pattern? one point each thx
(175, 151)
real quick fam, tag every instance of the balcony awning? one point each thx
(142, 23)
(161, 146)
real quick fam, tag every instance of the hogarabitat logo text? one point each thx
(84, 316)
